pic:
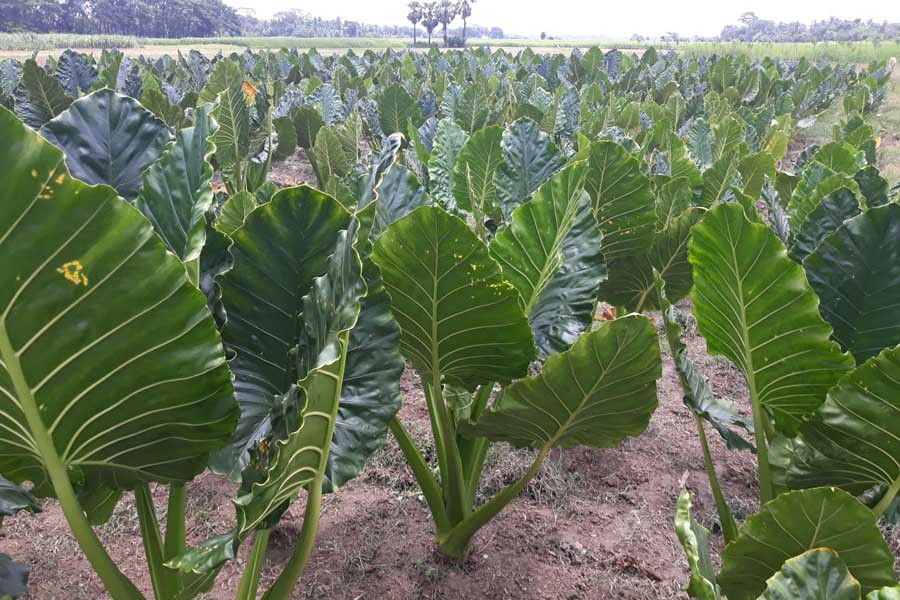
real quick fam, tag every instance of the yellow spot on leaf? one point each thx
(59, 180)
(74, 272)
(34, 173)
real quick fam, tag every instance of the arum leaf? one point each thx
(458, 316)
(529, 159)
(281, 248)
(623, 200)
(232, 138)
(815, 574)
(399, 193)
(630, 282)
(177, 192)
(108, 138)
(448, 141)
(38, 96)
(854, 437)
(754, 306)
(328, 156)
(530, 249)
(307, 122)
(673, 198)
(75, 73)
(694, 539)
(795, 522)
(13, 577)
(566, 306)
(473, 175)
(151, 395)
(395, 109)
(826, 218)
(287, 138)
(235, 211)
(856, 272)
(754, 171)
(718, 412)
(14, 499)
(598, 392)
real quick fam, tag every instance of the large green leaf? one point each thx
(795, 522)
(697, 395)
(473, 175)
(177, 191)
(830, 214)
(853, 440)
(718, 179)
(13, 577)
(817, 574)
(448, 141)
(327, 155)
(472, 110)
(232, 138)
(282, 246)
(856, 272)
(395, 110)
(694, 538)
(458, 316)
(623, 200)
(817, 183)
(38, 96)
(630, 282)
(235, 211)
(755, 170)
(597, 393)
(672, 199)
(529, 159)
(14, 499)
(399, 193)
(754, 306)
(108, 138)
(107, 349)
(307, 122)
(530, 249)
(566, 306)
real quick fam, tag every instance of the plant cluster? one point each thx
(473, 210)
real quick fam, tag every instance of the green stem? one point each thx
(119, 586)
(762, 449)
(437, 433)
(475, 468)
(729, 527)
(281, 589)
(457, 543)
(249, 584)
(468, 446)
(453, 479)
(175, 534)
(888, 497)
(164, 581)
(424, 477)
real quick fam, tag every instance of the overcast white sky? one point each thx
(617, 19)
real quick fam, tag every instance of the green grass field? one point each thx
(857, 52)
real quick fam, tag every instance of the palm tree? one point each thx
(446, 12)
(429, 18)
(465, 11)
(414, 16)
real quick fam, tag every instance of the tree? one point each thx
(465, 11)
(429, 18)
(414, 16)
(445, 12)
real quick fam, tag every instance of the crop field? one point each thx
(500, 324)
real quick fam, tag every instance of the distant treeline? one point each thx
(754, 29)
(184, 18)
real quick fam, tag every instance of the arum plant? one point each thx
(464, 322)
(151, 396)
(316, 369)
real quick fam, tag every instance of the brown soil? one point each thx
(594, 524)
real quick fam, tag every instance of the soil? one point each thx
(594, 524)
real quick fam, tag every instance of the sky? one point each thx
(615, 19)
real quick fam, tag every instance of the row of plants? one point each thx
(473, 209)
